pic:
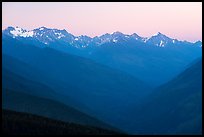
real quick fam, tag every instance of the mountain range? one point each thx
(48, 36)
(115, 81)
(129, 53)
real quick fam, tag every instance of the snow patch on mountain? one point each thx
(22, 33)
(41, 29)
(145, 39)
(114, 40)
(156, 34)
(60, 35)
(161, 44)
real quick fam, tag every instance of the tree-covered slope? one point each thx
(18, 123)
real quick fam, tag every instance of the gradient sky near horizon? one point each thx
(180, 20)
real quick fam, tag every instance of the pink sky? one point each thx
(180, 20)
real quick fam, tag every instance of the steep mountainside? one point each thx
(173, 108)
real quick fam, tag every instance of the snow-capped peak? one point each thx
(159, 39)
(135, 35)
(117, 33)
(159, 34)
(42, 28)
(17, 31)
(156, 34)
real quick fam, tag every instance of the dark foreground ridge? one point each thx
(18, 123)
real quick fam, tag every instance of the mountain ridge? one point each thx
(48, 35)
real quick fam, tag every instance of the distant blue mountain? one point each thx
(132, 54)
